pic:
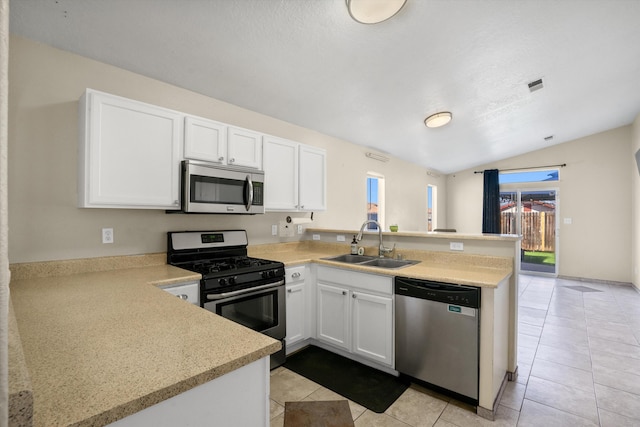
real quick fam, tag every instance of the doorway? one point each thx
(533, 214)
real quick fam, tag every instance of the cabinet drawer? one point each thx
(294, 274)
(357, 280)
(185, 291)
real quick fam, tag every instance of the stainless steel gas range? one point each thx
(249, 291)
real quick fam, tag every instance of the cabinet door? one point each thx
(281, 174)
(129, 153)
(189, 292)
(333, 316)
(205, 140)
(312, 191)
(373, 327)
(244, 148)
(296, 297)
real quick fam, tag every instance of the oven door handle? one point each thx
(245, 291)
(249, 199)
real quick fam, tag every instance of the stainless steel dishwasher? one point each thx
(437, 329)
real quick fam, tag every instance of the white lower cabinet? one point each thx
(297, 306)
(372, 326)
(189, 291)
(355, 313)
(334, 318)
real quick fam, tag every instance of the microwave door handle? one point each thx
(250, 195)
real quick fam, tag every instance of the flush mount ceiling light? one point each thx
(438, 119)
(373, 11)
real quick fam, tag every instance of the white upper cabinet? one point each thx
(205, 140)
(312, 184)
(129, 153)
(295, 176)
(244, 148)
(216, 142)
(281, 174)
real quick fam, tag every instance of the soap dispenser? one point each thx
(354, 246)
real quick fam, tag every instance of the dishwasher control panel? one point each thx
(467, 296)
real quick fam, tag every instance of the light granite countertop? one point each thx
(464, 269)
(103, 345)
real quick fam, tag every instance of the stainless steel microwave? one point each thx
(212, 189)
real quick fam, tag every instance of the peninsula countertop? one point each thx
(464, 269)
(103, 345)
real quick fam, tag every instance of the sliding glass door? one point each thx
(532, 214)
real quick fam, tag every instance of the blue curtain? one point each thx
(491, 202)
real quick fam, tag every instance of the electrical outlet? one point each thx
(340, 238)
(300, 229)
(274, 230)
(568, 221)
(456, 246)
(107, 235)
(316, 237)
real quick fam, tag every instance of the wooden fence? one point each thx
(538, 229)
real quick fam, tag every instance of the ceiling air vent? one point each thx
(535, 85)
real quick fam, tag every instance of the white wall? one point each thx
(635, 205)
(45, 224)
(4, 258)
(594, 191)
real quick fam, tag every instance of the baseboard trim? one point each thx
(490, 414)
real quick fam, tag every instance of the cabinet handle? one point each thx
(176, 202)
(344, 292)
(232, 160)
(183, 296)
(301, 206)
(221, 158)
(290, 290)
(353, 295)
(295, 275)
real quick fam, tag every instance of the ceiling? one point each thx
(308, 63)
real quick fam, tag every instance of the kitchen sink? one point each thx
(351, 259)
(372, 261)
(389, 263)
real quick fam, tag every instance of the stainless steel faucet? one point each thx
(381, 249)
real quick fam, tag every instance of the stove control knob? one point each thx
(272, 273)
(232, 280)
(222, 282)
(265, 274)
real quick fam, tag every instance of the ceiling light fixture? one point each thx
(373, 11)
(438, 119)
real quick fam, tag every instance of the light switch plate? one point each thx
(274, 230)
(316, 237)
(340, 238)
(568, 221)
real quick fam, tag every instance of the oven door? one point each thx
(261, 309)
(208, 189)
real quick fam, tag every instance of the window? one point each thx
(432, 197)
(375, 200)
(531, 176)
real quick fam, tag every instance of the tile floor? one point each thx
(579, 363)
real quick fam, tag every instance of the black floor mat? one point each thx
(373, 389)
